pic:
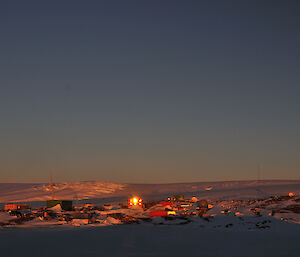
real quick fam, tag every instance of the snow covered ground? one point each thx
(18, 192)
(150, 240)
(23, 192)
(234, 225)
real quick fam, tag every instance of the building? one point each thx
(66, 205)
(14, 207)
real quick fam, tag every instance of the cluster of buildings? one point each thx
(62, 212)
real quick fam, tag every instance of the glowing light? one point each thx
(171, 213)
(135, 201)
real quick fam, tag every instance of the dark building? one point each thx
(66, 205)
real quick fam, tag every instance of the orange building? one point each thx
(15, 207)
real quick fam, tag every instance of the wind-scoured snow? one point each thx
(14, 192)
(151, 241)
(10, 192)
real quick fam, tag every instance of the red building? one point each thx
(14, 207)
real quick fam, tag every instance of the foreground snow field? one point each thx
(141, 240)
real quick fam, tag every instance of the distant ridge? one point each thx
(27, 192)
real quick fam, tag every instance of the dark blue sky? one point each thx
(149, 91)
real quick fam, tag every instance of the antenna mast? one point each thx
(52, 187)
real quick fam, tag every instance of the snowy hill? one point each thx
(10, 192)
(22, 192)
